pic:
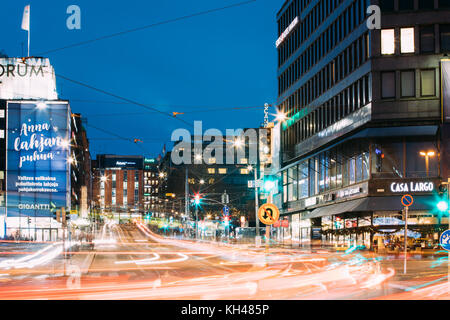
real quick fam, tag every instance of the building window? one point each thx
(244, 161)
(388, 85)
(404, 5)
(222, 171)
(444, 30)
(444, 4)
(427, 39)
(426, 4)
(388, 41)
(388, 5)
(427, 83)
(407, 40)
(212, 160)
(408, 84)
(244, 171)
(211, 170)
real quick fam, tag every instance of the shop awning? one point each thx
(391, 203)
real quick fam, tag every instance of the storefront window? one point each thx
(285, 189)
(303, 180)
(359, 161)
(351, 170)
(416, 161)
(365, 166)
(312, 176)
(292, 184)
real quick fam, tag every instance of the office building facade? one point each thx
(365, 119)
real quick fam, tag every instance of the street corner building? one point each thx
(39, 157)
(118, 186)
(368, 114)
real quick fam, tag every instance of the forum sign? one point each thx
(37, 166)
(30, 79)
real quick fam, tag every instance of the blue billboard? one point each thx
(37, 166)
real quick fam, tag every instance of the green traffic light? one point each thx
(442, 206)
(269, 185)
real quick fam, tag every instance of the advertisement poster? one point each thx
(37, 163)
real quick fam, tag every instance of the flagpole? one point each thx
(29, 29)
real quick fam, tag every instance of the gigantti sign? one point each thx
(29, 79)
(37, 166)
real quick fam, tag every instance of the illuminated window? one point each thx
(212, 160)
(407, 40)
(222, 171)
(388, 41)
(211, 170)
(427, 83)
(244, 171)
(244, 161)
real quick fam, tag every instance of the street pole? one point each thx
(186, 196)
(448, 260)
(258, 236)
(196, 222)
(427, 165)
(406, 239)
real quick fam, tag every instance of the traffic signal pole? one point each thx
(406, 240)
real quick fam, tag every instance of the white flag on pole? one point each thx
(26, 18)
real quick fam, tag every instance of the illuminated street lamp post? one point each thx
(427, 156)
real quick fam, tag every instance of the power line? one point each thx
(201, 13)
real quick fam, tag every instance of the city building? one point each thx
(152, 182)
(81, 175)
(118, 186)
(365, 120)
(218, 171)
(35, 152)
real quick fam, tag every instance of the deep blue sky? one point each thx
(222, 60)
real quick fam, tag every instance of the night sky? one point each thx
(222, 60)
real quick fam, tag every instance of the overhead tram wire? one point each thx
(201, 13)
(122, 98)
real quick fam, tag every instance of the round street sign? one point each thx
(407, 200)
(445, 240)
(268, 214)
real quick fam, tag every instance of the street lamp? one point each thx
(202, 181)
(427, 156)
(280, 117)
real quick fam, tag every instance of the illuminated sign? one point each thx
(34, 78)
(37, 166)
(401, 187)
(288, 30)
(310, 202)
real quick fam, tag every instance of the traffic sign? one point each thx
(226, 210)
(268, 214)
(407, 200)
(445, 240)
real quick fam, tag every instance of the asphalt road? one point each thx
(131, 262)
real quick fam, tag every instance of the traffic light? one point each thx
(57, 215)
(442, 205)
(197, 199)
(269, 185)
